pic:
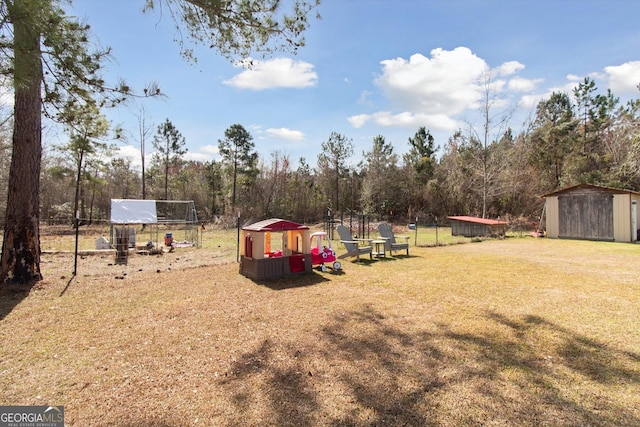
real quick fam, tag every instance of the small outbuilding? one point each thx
(274, 248)
(592, 212)
(470, 226)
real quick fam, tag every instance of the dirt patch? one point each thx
(60, 265)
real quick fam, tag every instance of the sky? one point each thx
(369, 68)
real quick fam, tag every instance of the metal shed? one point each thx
(591, 212)
(470, 226)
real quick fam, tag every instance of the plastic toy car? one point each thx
(322, 252)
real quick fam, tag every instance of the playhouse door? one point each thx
(296, 263)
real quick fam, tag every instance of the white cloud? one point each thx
(211, 150)
(364, 98)
(6, 99)
(509, 68)
(621, 79)
(532, 101)
(406, 119)
(6, 92)
(198, 156)
(203, 153)
(446, 83)
(255, 128)
(286, 134)
(131, 153)
(359, 120)
(518, 84)
(496, 86)
(275, 73)
(624, 78)
(574, 78)
(434, 91)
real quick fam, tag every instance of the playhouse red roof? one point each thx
(275, 224)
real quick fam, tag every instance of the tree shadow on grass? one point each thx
(293, 281)
(587, 357)
(366, 262)
(396, 258)
(11, 294)
(365, 368)
(544, 361)
(286, 398)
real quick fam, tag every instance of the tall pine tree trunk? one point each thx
(20, 260)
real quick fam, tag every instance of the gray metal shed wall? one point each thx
(472, 229)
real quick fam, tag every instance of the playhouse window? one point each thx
(298, 243)
(272, 245)
(248, 246)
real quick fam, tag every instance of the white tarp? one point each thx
(128, 211)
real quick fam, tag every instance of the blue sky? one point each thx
(371, 67)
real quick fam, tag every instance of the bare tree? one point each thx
(145, 128)
(496, 114)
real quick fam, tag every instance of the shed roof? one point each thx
(589, 186)
(477, 220)
(275, 224)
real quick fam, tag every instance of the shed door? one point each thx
(586, 216)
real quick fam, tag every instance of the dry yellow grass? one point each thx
(523, 332)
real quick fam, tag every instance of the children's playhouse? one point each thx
(274, 248)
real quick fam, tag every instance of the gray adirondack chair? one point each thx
(354, 247)
(386, 232)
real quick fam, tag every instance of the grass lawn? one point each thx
(522, 331)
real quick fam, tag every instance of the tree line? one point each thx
(582, 137)
(56, 72)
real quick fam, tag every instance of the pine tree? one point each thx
(169, 144)
(238, 157)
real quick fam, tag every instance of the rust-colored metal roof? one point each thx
(477, 220)
(275, 224)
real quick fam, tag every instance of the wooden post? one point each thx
(122, 245)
